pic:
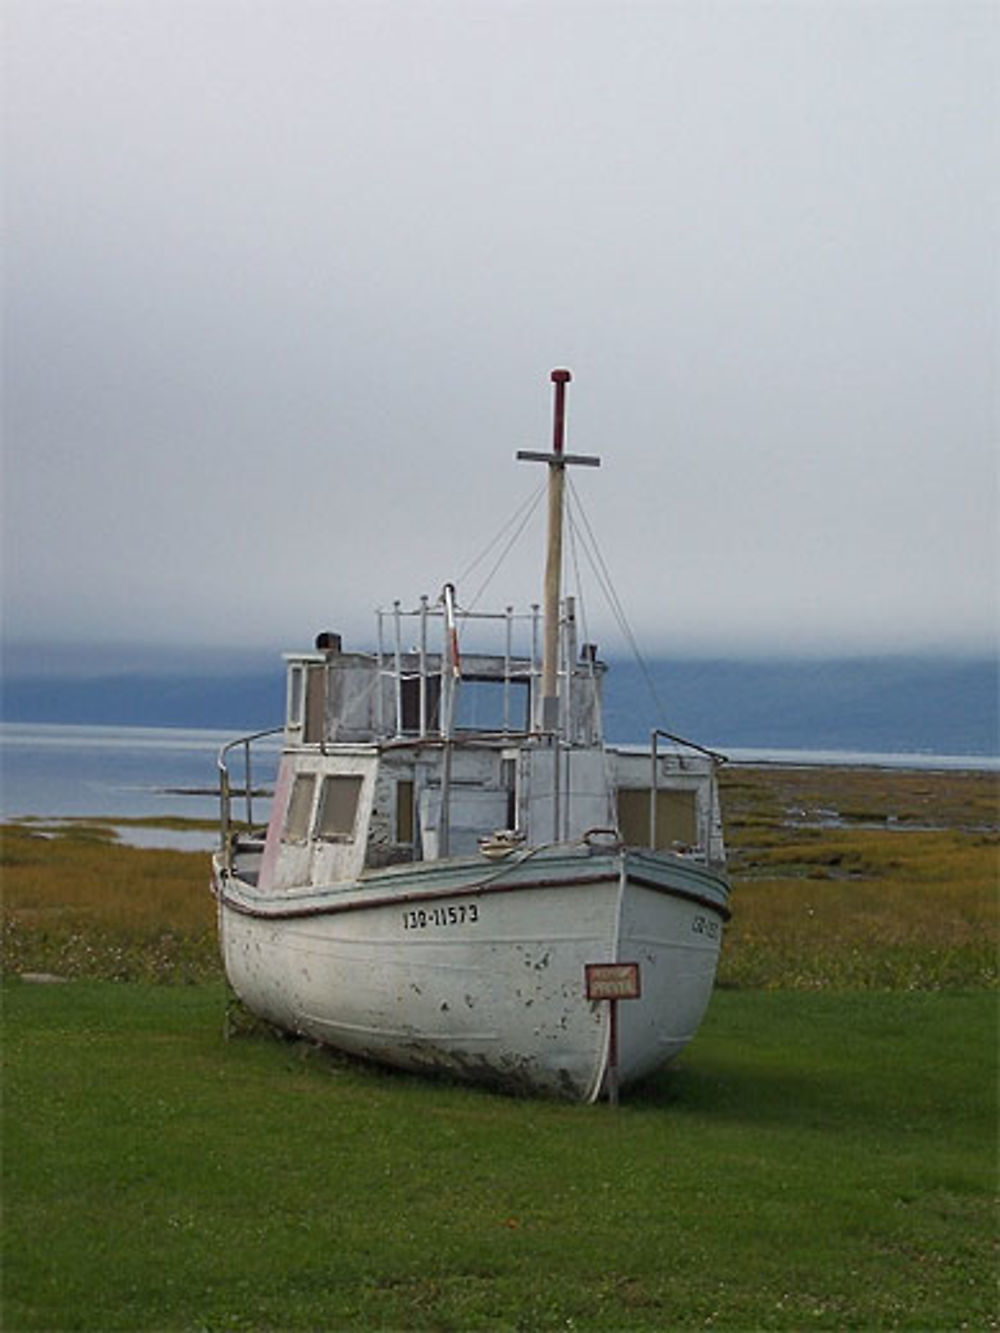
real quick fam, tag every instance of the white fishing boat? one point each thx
(458, 874)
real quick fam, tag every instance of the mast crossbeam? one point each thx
(558, 459)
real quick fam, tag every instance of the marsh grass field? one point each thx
(823, 1156)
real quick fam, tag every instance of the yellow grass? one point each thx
(79, 904)
(901, 894)
(854, 878)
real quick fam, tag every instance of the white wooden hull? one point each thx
(477, 969)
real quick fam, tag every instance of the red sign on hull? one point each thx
(612, 981)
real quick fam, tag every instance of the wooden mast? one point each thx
(557, 461)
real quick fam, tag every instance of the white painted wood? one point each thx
(447, 926)
(477, 970)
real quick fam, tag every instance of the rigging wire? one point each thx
(523, 514)
(574, 537)
(580, 535)
(574, 540)
(574, 559)
(603, 576)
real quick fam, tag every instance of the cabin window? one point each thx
(300, 808)
(486, 704)
(508, 780)
(676, 818)
(339, 807)
(295, 696)
(404, 810)
(315, 704)
(410, 703)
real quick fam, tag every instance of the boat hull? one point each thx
(478, 972)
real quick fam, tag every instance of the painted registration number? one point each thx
(703, 925)
(454, 914)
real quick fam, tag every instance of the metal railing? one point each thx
(705, 834)
(226, 791)
(521, 660)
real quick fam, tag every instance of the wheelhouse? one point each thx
(426, 751)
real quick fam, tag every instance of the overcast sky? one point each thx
(285, 280)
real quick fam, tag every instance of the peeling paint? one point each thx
(474, 998)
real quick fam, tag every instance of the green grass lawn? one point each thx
(823, 1156)
(816, 1160)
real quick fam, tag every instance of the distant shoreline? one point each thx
(912, 705)
(917, 763)
(20, 733)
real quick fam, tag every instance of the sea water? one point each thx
(64, 771)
